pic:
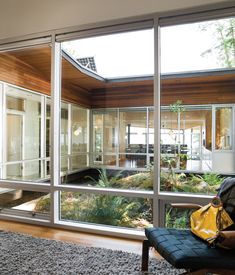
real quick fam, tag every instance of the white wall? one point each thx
(21, 17)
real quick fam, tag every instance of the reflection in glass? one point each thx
(223, 128)
(194, 134)
(132, 160)
(25, 88)
(78, 162)
(74, 139)
(23, 135)
(79, 130)
(133, 131)
(105, 131)
(13, 103)
(64, 130)
(14, 137)
(21, 200)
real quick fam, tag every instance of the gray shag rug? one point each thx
(22, 254)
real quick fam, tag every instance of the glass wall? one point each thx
(23, 135)
(25, 202)
(111, 147)
(133, 138)
(224, 128)
(79, 138)
(196, 122)
(128, 133)
(73, 139)
(127, 139)
(25, 147)
(105, 133)
(107, 130)
(25, 131)
(106, 209)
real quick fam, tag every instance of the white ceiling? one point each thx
(31, 16)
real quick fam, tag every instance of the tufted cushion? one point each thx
(184, 250)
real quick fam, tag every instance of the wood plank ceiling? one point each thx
(90, 91)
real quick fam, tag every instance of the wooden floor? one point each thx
(91, 240)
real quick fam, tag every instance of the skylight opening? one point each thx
(202, 46)
(119, 55)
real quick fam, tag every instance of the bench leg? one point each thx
(145, 255)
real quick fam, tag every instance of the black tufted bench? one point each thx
(184, 250)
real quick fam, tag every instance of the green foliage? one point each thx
(134, 212)
(177, 107)
(108, 210)
(193, 183)
(142, 180)
(104, 180)
(43, 204)
(101, 209)
(224, 46)
(168, 162)
(176, 218)
(105, 209)
(212, 179)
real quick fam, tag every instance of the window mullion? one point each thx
(55, 128)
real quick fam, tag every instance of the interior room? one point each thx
(108, 116)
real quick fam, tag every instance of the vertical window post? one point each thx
(55, 127)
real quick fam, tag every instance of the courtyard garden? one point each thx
(129, 212)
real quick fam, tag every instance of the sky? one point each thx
(117, 55)
(132, 53)
(182, 47)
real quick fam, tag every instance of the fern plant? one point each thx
(104, 180)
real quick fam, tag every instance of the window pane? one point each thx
(105, 131)
(107, 210)
(116, 106)
(132, 160)
(197, 106)
(14, 137)
(112, 178)
(133, 131)
(15, 103)
(78, 162)
(19, 201)
(64, 137)
(224, 129)
(23, 95)
(181, 41)
(79, 130)
(105, 54)
(177, 217)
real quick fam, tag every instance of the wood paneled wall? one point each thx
(26, 69)
(14, 71)
(201, 91)
(205, 90)
(17, 72)
(136, 96)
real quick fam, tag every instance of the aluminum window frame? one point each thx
(172, 19)
(55, 37)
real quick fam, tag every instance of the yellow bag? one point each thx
(209, 220)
